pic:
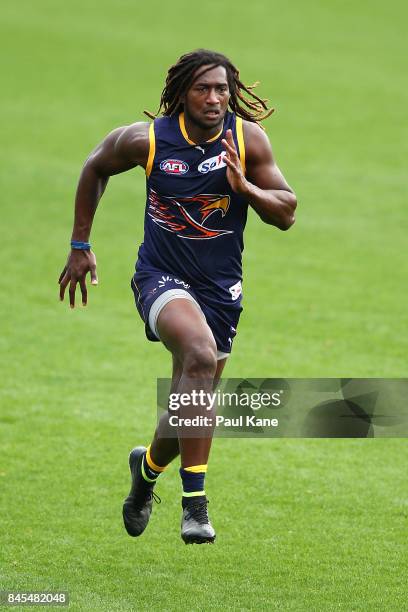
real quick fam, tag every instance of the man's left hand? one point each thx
(235, 175)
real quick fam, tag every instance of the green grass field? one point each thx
(324, 523)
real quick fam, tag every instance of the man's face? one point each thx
(206, 102)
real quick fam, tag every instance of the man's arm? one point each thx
(264, 185)
(121, 150)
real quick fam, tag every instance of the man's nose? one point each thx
(212, 97)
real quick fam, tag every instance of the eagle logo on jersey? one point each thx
(187, 217)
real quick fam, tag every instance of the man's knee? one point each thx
(200, 359)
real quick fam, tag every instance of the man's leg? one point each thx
(165, 447)
(184, 331)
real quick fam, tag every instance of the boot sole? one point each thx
(196, 540)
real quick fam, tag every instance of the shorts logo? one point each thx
(236, 290)
(213, 163)
(167, 279)
(174, 166)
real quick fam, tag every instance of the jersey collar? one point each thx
(185, 135)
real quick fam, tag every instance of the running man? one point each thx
(206, 159)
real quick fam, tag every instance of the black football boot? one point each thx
(137, 507)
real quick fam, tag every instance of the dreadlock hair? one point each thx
(181, 76)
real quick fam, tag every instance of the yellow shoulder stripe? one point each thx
(241, 143)
(152, 150)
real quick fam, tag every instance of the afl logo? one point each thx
(174, 166)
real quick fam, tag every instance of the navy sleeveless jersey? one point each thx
(194, 222)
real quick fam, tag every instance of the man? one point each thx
(204, 164)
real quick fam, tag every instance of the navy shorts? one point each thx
(149, 285)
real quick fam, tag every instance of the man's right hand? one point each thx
(123, 149)
(79, 263)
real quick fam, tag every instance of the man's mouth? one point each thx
(212, 113)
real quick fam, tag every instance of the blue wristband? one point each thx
(80, 246)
